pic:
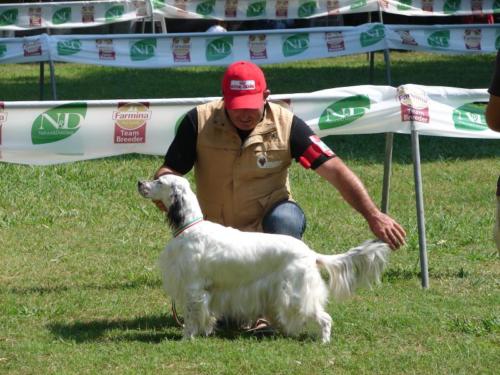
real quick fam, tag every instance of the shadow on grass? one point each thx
(150, 329)
(131, 284)
(75, 81)
(370, 149)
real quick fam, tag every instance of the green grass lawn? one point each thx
(80, 292)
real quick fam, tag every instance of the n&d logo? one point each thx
(451, 6)
(344, 112)
(358, 4)
(114, 13)
(69, 47)
(205, 8)
(307, 9)
(439, 39)
(58, 123)
(143, 49)
(404, 4)
(257, 8)
(61, 16)
(295, 44)
(470, 116)
(219, 48)
(372, 36)
(9, 17)
(158, 4)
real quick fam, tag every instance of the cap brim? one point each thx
(249, 101)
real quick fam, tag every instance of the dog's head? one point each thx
(164, 189)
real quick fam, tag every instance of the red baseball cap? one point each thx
(243, 86)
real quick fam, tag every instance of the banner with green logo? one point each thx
(25, 16)
(75, 14)
(261, 46)
(57, 132)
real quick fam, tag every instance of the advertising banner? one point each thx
(76, 14)
(42, 133)
(71, 14)
(259, 46)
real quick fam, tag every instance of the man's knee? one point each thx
(285, 217)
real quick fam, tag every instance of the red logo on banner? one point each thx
(333, 6)
(130, 122)
(334, 41)
(106, 49)
(257, 46)
(281, 8)
(87, 13)
(414, 104)
(35, 15)
(181, 49)
(428, 5)
(32, 48)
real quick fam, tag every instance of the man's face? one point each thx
(245, 119)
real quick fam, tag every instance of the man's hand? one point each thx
(387, 229)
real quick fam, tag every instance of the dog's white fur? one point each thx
(212, 271)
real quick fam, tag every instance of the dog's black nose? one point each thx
(139, 184)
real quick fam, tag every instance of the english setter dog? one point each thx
(212, 271)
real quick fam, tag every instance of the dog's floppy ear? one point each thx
(176, 214)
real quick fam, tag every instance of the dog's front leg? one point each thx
(198, 319)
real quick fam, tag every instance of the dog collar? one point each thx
(188, 225)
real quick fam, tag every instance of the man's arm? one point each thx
(165, 170)
(493, 113)
(181, 154)
(353, 191)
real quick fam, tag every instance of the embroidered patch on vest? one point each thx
(264, 162)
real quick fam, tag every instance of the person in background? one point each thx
(493, 120)
(493, 107)
(217, 27)
(241, 147)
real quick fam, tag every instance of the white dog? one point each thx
(212, 271)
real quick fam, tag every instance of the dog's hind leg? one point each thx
(197, 320)
(324, 321)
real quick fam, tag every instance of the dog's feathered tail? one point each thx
(361, 266)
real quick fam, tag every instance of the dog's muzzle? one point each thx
(143, 189)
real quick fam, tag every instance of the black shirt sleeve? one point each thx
(181, 154)
(495, 83)
(300, 140)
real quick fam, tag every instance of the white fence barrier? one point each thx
(63, 15)
(77, 14)
(56, 132)
(261, 46)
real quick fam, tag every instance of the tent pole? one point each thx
(389, 137)
(53, 79)
(389, 142)
(415, 147)
(41, 80)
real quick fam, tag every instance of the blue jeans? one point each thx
(285, 217)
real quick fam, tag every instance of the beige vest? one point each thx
(236, 183)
